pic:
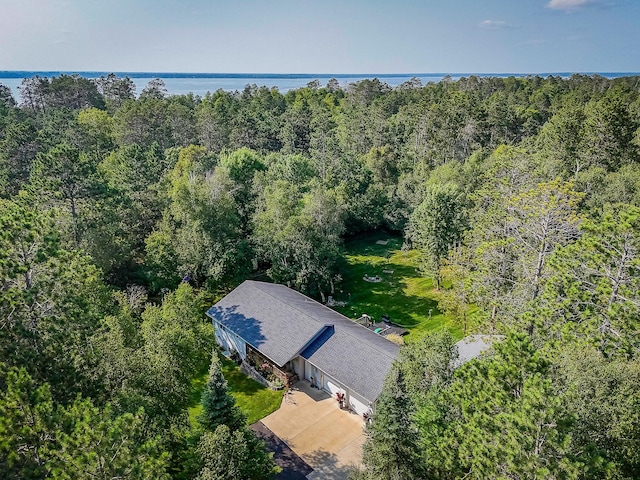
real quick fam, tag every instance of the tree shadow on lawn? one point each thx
(197, 386)
(408, 311)
(238, 381)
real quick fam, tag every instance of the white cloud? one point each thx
(570, 5)
(494, 24)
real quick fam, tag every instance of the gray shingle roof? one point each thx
(353, 361)
(282, 323)
(473, 346)
(256, 313)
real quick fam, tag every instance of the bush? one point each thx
(395, 338)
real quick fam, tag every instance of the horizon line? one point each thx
(24, 73)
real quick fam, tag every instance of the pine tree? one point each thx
(218, 406)
(228, 449)
(39, 439)
(391, 450)
(499, 418)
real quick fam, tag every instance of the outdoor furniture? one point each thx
(369, 279)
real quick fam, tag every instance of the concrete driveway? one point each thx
(311, 423)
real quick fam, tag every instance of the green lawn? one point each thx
(404, 295)
(255, 400)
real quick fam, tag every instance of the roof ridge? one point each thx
(345, 332)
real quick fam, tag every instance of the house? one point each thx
(297, 336)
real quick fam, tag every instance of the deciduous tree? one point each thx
(228, 454)
(436, 225)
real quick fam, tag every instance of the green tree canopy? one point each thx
(437, 225)
(592, 295)
(39, 439)
(234, 454)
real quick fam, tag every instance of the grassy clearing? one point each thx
(404, 295)
(255, 400)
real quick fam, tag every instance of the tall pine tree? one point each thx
(218, 406)
(391, 450)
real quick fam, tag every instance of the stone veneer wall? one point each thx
(256, 358)
(253, 373)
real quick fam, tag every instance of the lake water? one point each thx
(200, 84)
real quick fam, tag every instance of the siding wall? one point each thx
(229, 340)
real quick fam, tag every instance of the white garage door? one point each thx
(357, 403)
(332, 386)
(312, 374)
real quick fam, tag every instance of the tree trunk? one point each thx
(74, 216)
(538, 273)
(494, 312)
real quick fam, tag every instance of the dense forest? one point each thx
(123, 217)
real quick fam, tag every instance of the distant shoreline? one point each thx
(183, 83)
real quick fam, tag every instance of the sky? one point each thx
(321, 36)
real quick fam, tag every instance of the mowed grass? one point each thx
(406, 296)
(254, 399)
